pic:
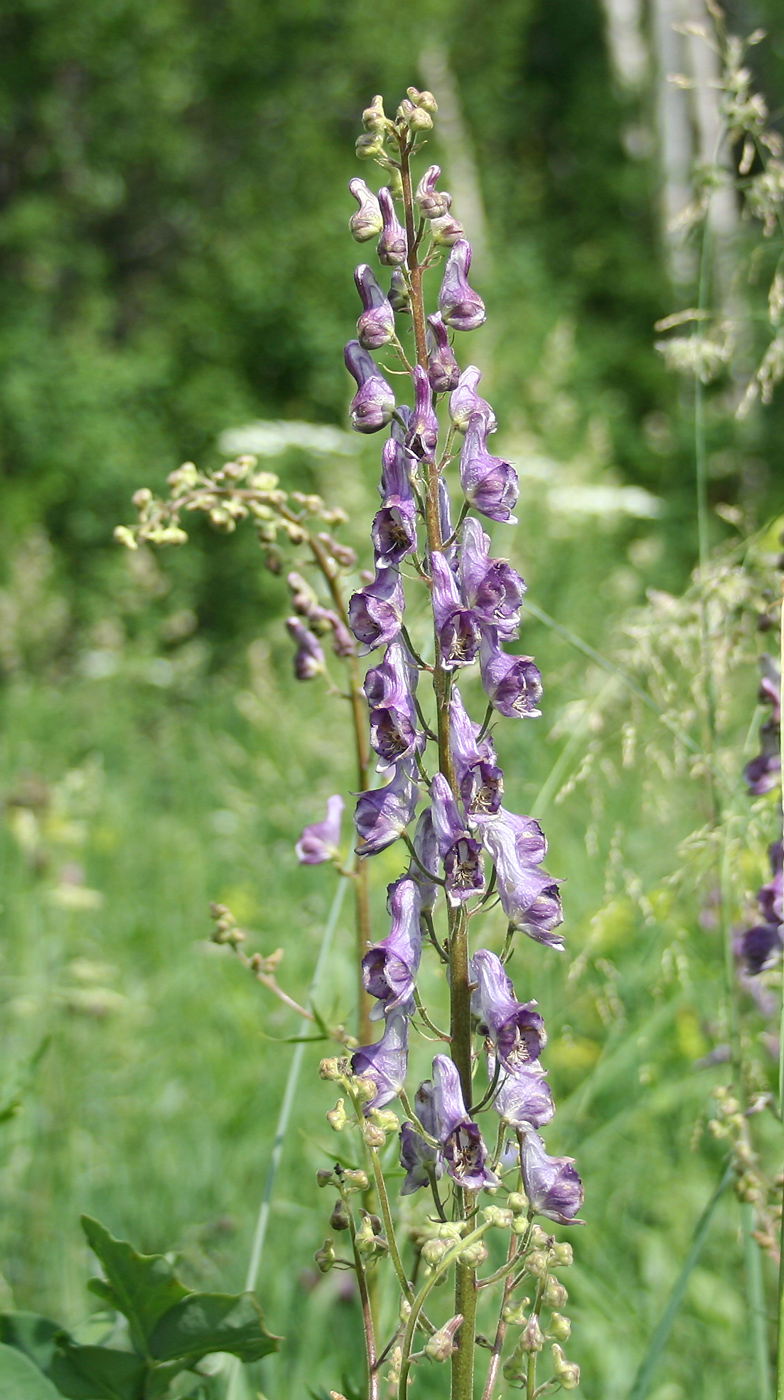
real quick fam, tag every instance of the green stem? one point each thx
(422, 1297)
(780, 1347)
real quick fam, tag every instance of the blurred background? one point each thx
(176, 282)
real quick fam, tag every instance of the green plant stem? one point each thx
(780, 1310)
(368, 1324)
(419, 1302)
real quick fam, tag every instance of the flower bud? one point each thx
(399, 295)
(562, 1255)
(392, 245)
(420, 120)
(368, 1240)
(516, 1201)
(498, 1216)
(515, 1367)
(533, 1337)
(405, 110)
(374, 118)
(343, 554)
(395, 1364)
(423, 99)
(474, 1256)
(372, 1135)
(364, 1087)
(337, 1117)
(368, 220)
(520, 1225)
(325, 1176)
(325, 1257)
(433, 1251)
(355, 1180)
(334, 1067)
(376, 325)
(567, 1372)
(560, 1327)
(340, 1218)
(122, 535)
(142, 497)
(441, 1345)
(537, 1263)
(384, 1118)
(443, 370)
(555, 1295)
(446, 231)
(432, 203)
(540, 1238)
(514, 1313)
(369, 146)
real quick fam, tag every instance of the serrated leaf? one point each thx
(206, 1322)
(32, 1334)
(20, 1378)
(141, 1286)
(97, 1373)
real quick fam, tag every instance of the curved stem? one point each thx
(421, 1298)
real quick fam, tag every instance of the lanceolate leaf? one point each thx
(206, 1322)
(30, 1334)
(20, 1378)
(97, 1373)
(142, 1286)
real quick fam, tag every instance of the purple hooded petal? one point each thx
(464, 870)
(443, 370)
(368, 220)
(771, 896)
(448, 824)
(529, 896)
(489, 483)
(422, 435)
(374, 402)
(515, 1028)
(397, 464)
(376, 325)
(383, 815)
(763, 772)
(458, 629)
(432, 203)
(394, 534)
(421, 1161)
(464, 402)
(319, 842)
(759, 948)
(389, 968)
(551, 1184)
(309, 657)
(385, 1062)
(426, 847)
(512, 684)
(375, 613)
(524, 1097)
(464, 1151)
(392, 246)
(491, 587)
(460, 306)
(394, 681)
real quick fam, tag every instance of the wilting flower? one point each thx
(319, 841)
(443, 370)
(375, 613)
(461, 307)
(489, 483)
(432, 203)
(383, 815)
(515, 1028)
(491, 587)
(309, 657)
(422, 434)
(464, 1151)
(392, 245)
(464, 401)
(552, 1185)
(389, 968)
(368, 220)
(523, 1097)
(529, 896)
(374, 402)
(512, 684)
(385, 1062)
(376, 325)
(457, 628)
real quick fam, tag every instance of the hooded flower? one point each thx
(461, 854)
(491, 587)
(383, 815)
(763, 772)
(489, 483)
(464, 1151)
(385, 1062)
(443, 370)
(460, 306)
(464, 402)
(432, 203)
(458, 630)
(375, 613)
(515, 1029)
(529, 896)
(426, 847)
(319, 842)
(422, 434)
(392, 246)
(376, 325)
(551, 1184)
(374, 402)
(420, 1160)
(393, 682)
(479, 778)
(309, 657)
(760, 947)
(524, 1097)
(389, 968)
(368, 220)
(393, 731)
(512, 684)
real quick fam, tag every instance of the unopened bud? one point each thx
(340, 1218)
(355, 1180)
(369, 146)
(540, 1238)
(537, 1263)
(555, 1295)
(420, 120)
(142, 497)
(368, 1239)
(385, 1118)
(337, 1117)
(325, 1176)
(497, 1216)
(533, 1336)
(560, 1327)
(440, 1346)
(446, 231)
(395, 1364)
(364, 1088)
(562, 1255)
(372, 1135)
(123, 535)
(405, 110)
(567, 1372)
(516, 1367)
(343, 554)
(404, 1309)
(514, 1313)
(516, 1201)
(423, 99)
(474, 1255)
(331, 1068)
(433, 1251)
(374, 118)
(368, 220)
(325, 1257)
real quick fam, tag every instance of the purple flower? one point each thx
(515, 1028)
(551, 1184)
(422, 434)
(771, 896)
(426, 847)
(461, 854)
(460, 306)
(529, 896)
(392, 682)
(491, 587)
(458, 630)
(420, 1160)
(374, 402)
(375, 613)
(309, 657)
(376, 325)
(392, 246)
(385, 1062)
(319, 842)
(759, 947)
(445, 521)
(394, 533)
(445, 233)
(464, 1151)
(524, 1097)
(368, 220)
(763, 772)
(383, 815)
(489, 483)
(432, 203)
(389, 968)
(464, 401)
(393, 731)
(512, 684)
(479, 778)
(443, 370)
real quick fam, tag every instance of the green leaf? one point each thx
(97, 1373)
(20, 1378)
(141, 1286)
(206, 1322)
(32, 1334)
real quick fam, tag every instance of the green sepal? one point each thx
(97, 1373)
(207, 1322)
(141, 1286)
(21, 1379)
